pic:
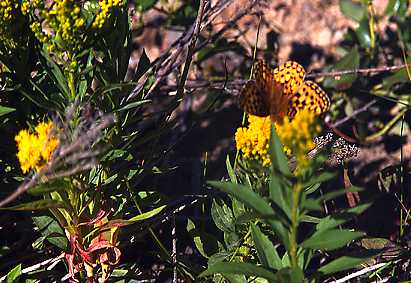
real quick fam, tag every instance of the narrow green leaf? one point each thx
(347, 262)
(55, 72)
(147, 214)
(280, 191)
(205, 243)
(230, 170)
(245, 194)
(323, 177)
(396, 7)
(36, 205)
(247, 269)
(57, 185)
(266, 251)
(287, 275)
(235, 278)
(278, 158)
(133, 105)
(6, 110)
(333, 195)
(400, 76)
(14, 275)
(330, 239)
(332, 221)
(363, 33)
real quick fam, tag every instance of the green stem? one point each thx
(387, 127)
(294, 225)
(72, 85)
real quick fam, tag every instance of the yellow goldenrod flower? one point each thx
(253, 141)
(8, 16)
(35, 149)
(296, 135)
(106, 6)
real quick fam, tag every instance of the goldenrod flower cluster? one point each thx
(106, 6)
(296, 135)
(8, 10)
(63, 23)
(253, 141)
(35, 149)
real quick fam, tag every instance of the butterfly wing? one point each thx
(252, 100)
(290, 76)
(310, 96)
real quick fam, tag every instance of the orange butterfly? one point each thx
(281, 91)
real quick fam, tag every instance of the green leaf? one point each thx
(352, 10)
(254, 201)
(396, 7)
(287, 275)
(51, 231)
(266, 251)
(347, 262)
(36, 205)
(230, 170)
(146, 215)
(330, 239)
(235, 278)
(133, 105)
(14, 274)
(400, 76)
(280, 190)
(205, 243)
(332, 221)
(350, 61)
(363, 33)
(222, 216)
(323, 177)
(333, 195)
(278, 158)
(54, 72)
(52, 186)
(247, 269)
(6, 110)
(144, 5)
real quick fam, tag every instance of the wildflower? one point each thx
(35, 149)
(8, 15)
(106, 6)
(253, 141)
(296, 135)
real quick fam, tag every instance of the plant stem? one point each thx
(294, 225)
(72, 86)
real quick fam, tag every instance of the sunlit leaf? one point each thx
(330, 239)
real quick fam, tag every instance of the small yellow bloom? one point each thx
(106, 6)
(296, 135)
(36, 149)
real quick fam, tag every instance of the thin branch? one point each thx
(361, 272)
(191, 47)
(358, 71)
(353, 114)
(50, 263)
